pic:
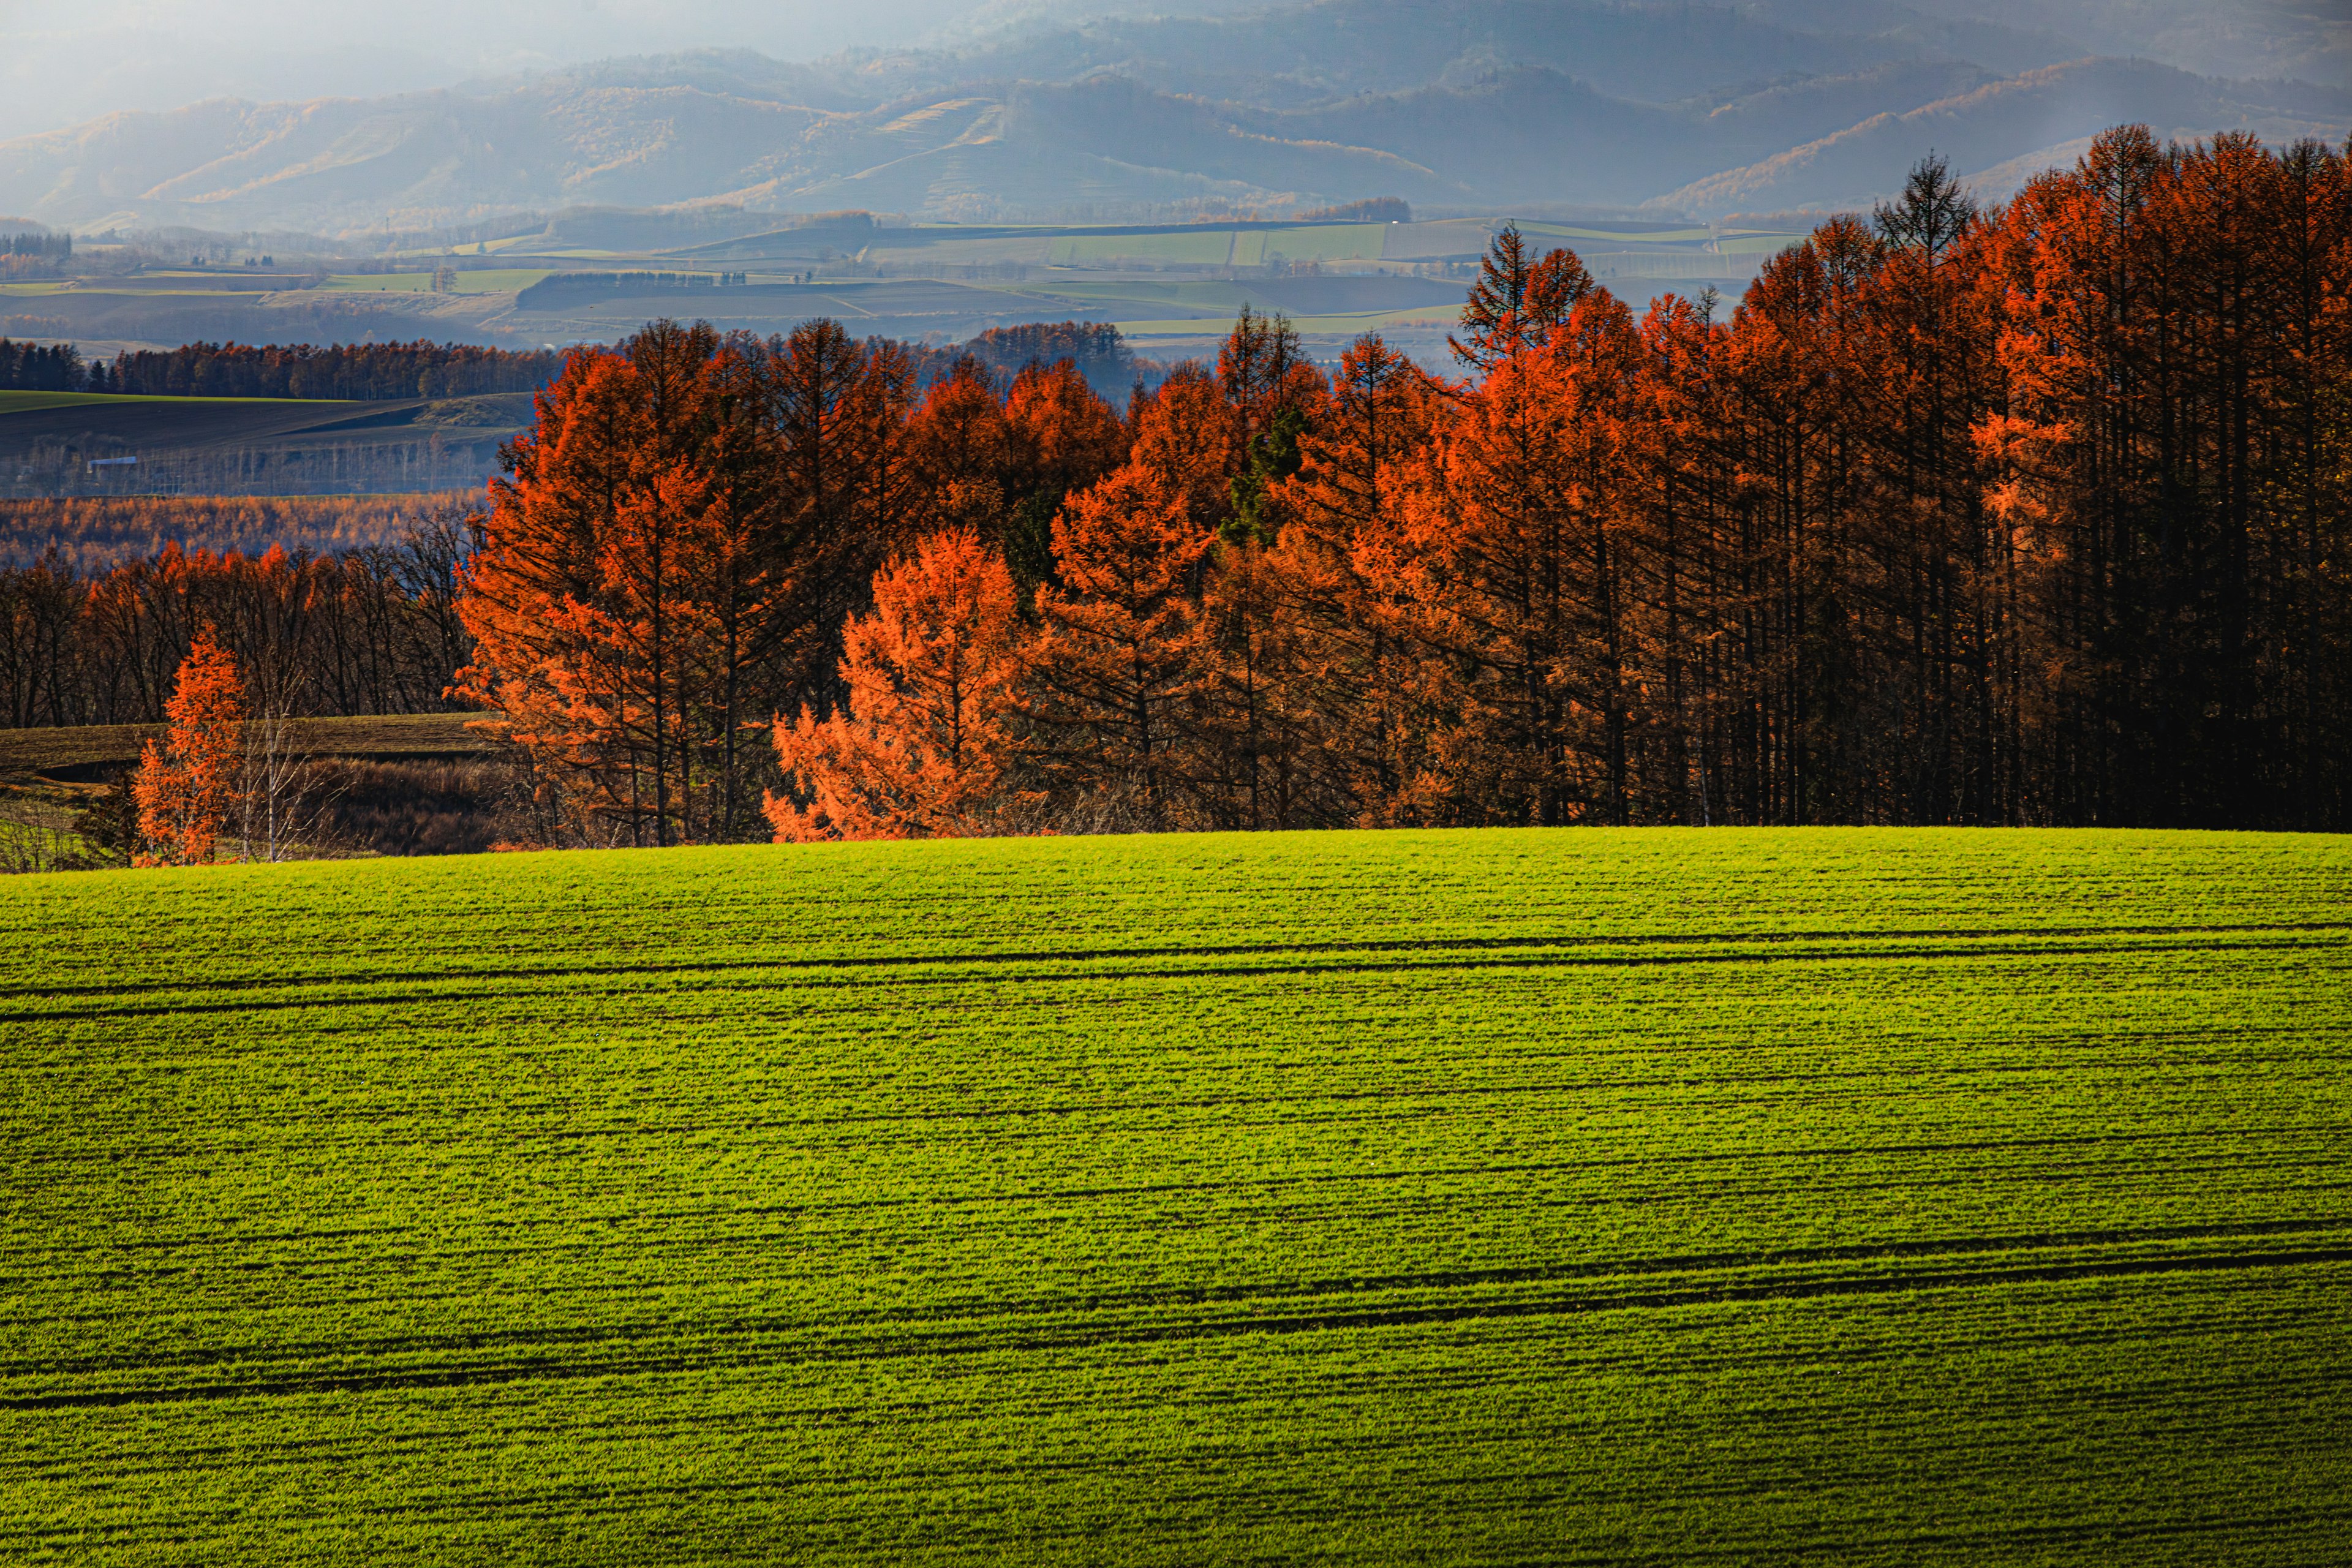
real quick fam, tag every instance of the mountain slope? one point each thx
(1786, 103)
(1994, 129)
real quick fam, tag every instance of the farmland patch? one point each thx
(1577, 1195)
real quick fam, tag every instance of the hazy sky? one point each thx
(65, 61)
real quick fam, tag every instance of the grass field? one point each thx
(44, 402)
(1581, 1197)
(488, 280)
(1214, 328)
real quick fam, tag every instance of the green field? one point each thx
(1506, 1197)
(488, 280)
(1644, 236)
(1214, 328)
(42, 402)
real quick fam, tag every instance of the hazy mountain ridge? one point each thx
(1315, 55)
(1692, 107)
(2004, 122)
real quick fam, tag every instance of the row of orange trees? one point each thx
(368, 627)
(2034, 514)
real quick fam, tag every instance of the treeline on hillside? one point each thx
(29, 367)
(2029, 515)
(356, 371)
(366, 630)
(462, 370)
(88, 534)
(2033, 515)
(353, 371)
(393, 371)
(1096, 348)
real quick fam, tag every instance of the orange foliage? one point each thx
(1072, 438)
(1510, 564)
(1188, 438)
(92, 533)
(919, 746)
(960, 451)
(1335, 562)
(1122, 645)
(187, 788)
(2034, 514)
(661, 543)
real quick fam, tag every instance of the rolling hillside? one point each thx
(1598, 102)
(1915, 1197)
(95, 444)
(2007, 130)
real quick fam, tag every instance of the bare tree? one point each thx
(283, 802)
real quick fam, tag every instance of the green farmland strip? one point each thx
(1497, 1197)
(43, 402)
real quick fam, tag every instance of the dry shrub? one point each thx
(432, 806)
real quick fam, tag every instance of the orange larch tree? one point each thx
(533, 593)
(1253, 729)
(1356, 679)
(920, 745)
(1122, 648)
(1188, 438)
(1065, 439)
(187, 788)
(1518, 301)
(1508, 570)
(962, 454)
(1276, 393)
(684, 536)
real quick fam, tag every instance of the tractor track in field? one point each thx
(982, 1341)
(965, 1203)
(981, 969)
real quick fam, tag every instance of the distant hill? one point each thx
(2007, 130)
(1791, 104)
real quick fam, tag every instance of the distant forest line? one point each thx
(350, 371)
(380, 372)
(2036, 514)
(91, 535)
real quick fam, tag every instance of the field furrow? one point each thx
(1478, 1199)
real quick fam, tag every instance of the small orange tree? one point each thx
(920, 745)
(185, 788)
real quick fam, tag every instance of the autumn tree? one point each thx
(920, 744)
(1122, 647)
(1066, 438)
(1275, 392)
(1792, 449)
(847, 498)
(551, 594)
(1188, 439)
(1253, 732)
(1509, 567)
(961, 455)
(186, 787)
(1518, 301)
(681, 542)
(1357, 689)
(1680, 498)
